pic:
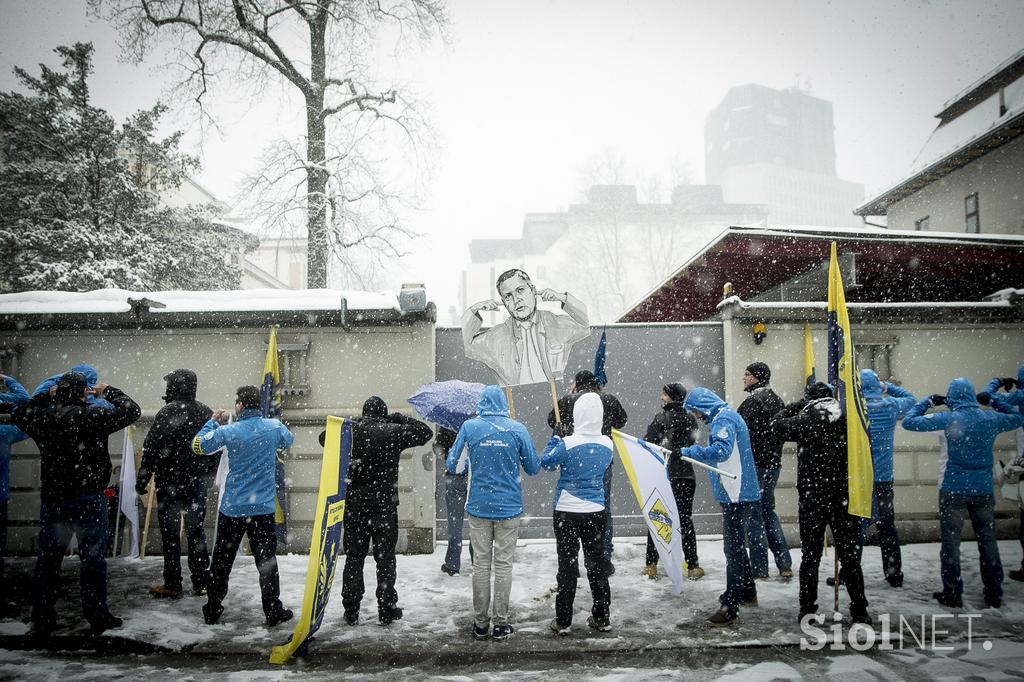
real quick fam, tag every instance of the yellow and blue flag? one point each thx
(845, 377)
(325, 542)
(270, 407)
(808, 356)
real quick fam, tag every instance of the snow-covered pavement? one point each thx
(654, 636)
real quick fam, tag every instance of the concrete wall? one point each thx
(997, 177)
(924, 358)
(344, 368)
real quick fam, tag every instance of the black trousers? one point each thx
(173, 502)
(683, 490)
(572, 530)
(815, 515)
(363, 526)
(3, 551)
(263, 543)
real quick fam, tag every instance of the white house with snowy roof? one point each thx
(969, 177)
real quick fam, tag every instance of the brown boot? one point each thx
(164, 592)
(695, 573)
(651, 571)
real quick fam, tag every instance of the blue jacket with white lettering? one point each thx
(251, 445)
(493, 447)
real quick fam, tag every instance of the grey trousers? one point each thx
(494, 546)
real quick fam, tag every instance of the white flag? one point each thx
(129, 499)
(645, 466)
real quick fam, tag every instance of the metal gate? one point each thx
(641, 358)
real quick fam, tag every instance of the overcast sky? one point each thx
(528, 91)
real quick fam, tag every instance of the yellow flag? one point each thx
(808, 356)
(845, 377)
(326, 540)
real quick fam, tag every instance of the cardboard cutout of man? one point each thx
(532, 345)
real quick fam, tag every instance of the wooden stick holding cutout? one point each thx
(554, 400)
(150, 496)
(511, 405)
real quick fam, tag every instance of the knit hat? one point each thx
(818, 390)
(676, 391)
(585, 381)
(70, 386)
(760, 371)
(375, 408)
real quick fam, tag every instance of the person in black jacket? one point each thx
(673, 428)
(371, 504)
(614, 417)
(75, 469)
(182, 480)
(757, 411)
(818, 426)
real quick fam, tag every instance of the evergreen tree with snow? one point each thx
(79, 195)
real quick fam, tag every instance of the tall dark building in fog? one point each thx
(777, 147)
(783, 127)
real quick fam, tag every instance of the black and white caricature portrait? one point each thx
(532, 345)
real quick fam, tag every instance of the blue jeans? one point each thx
(753, 527)
(953, 509)
(739, 578)
(86, 518)
(767, 479)
(455, 502)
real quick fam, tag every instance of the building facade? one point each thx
(969, 177)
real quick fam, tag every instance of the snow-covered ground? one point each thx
(654, 636)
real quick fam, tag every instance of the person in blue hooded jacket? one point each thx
(965, 483)
(579, 515)
(1014, 396)
(729, 449)
(493, 447)
(247, 503)
(887, 403)
(91, 378)
(14, 395)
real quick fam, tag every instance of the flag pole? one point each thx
(117, 517)
(835, 576)
(151, 489)
(511, 405)
(670, 453)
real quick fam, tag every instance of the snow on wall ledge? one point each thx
(116, 301)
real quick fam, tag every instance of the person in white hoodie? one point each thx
(579, 516)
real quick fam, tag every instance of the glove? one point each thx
(937, 399)
(1012, 473)
(141, 488)
(559, 430)
(984, 398)
(1009, 383)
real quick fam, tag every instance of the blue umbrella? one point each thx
(447, 403)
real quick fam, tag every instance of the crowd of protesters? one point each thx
(71, 415)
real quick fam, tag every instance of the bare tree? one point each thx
(321, 50)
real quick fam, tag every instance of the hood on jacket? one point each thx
(587, 415)
(676, 391)
(375, 408)
(704, 401)
(492, 402)
(825, 409)
(88, 371)
(961, 394)
(182, 384)
(870, 384)
(817, 391)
